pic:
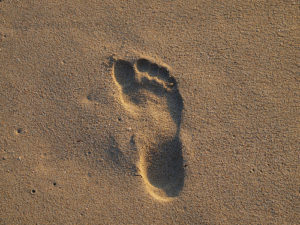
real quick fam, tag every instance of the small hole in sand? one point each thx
(54, 183)
(19, 131)
(87, 153)
(89, 97)
(33, 191)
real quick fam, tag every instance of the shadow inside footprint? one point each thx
(124, 73)
(175, 105)
(165, 167)
(125, 76)
(143, 65)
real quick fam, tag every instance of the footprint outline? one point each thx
(160, 163)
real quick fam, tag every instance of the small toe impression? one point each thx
(153, 71)
(143, 65)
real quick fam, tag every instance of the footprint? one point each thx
(149, 92)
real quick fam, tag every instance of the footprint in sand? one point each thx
(149, 92)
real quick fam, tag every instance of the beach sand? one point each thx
(149, 112)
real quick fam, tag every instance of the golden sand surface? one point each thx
(149, 112)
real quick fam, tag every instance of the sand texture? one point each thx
(149, 112)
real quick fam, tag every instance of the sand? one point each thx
(149, 112)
